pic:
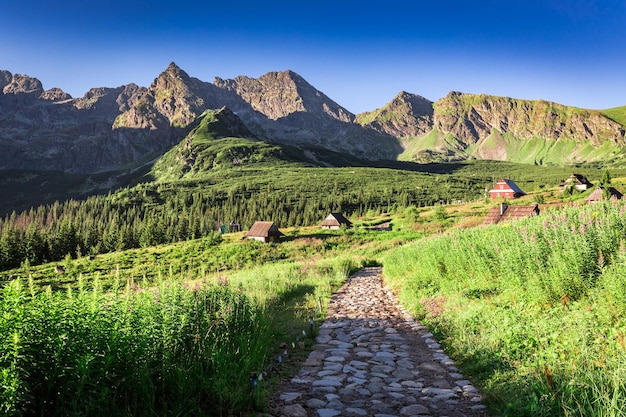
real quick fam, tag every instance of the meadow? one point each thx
(205, 327)
(160, 212)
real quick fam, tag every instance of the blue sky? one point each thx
(359, 53)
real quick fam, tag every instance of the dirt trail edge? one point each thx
(373, 359)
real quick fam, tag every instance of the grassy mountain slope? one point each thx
(617, 114)
(434, 146)
(524, 131)
(219, 141)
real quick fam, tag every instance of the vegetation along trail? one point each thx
(372, 358)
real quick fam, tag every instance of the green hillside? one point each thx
(617, 114)
(433, 147)
(210, 146)
(438, 147)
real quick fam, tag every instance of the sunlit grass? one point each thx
(534, 311)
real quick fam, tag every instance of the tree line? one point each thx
(152, 214)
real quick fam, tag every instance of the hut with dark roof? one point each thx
(264, 232)
(577, 182)
(598, 195)
(335, 221)
(504, 212)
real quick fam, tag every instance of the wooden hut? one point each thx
(577, 182)
(504, 212)
(335, 221)
(505, 188)
(264, 232)
(598, 195)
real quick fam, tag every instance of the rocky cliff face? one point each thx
(280, 94)
(50, 130)
(471, 118)
(289, 110)
(537, 131)
(480, 126)
(110, 127)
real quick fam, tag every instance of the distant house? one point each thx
(598, 195)
(578, 182)
(504, 212)
(505, 188)
(335, 221)
(264, 232)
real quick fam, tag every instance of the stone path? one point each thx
(373, 359)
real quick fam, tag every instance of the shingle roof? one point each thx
(505, 212)
(596, 195)
(336, 219)
(264, 229)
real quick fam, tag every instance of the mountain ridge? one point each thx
(109, 128)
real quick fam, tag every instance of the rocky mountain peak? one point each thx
(406, 115)
(23, 84)
(282, 94)
(110, 127)
(55, 94)
(177, 96)
(175, 72)
(5, 79)
(172, 78)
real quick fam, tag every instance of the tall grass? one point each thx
(535, 310)
(166, 350)
(162, 338)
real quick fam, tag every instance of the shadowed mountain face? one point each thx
(111, 128)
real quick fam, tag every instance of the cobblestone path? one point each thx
(373, 359)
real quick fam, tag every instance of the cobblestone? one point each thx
(373, 359)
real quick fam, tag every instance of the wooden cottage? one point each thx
(264, 232)
(598, 195)
(505, 188)
(577, 182)
(335, 221)
(504, 212)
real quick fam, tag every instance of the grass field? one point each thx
(194, 328)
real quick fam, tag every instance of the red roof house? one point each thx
(505, 188)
